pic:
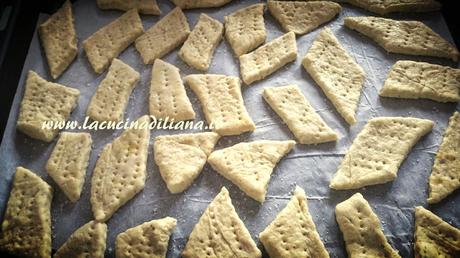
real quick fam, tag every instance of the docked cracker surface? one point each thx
(361, 229)
(68, 162)
(220, 233)
(26, 226)
(59, 39)
(167, 34)
(384, 7)
(148, 240)
(417, 80)
(109, 41)
(193, 4)
(303, 17)
(377, 152)
(295, 110)
(181, 157)
(245, 29)
(445, 174)
(87, 241)
(403, 37)
(168, 98)
(120, 171)
(143, 6)
(336, 73)
(434, 237)
(268, 58)
(112, 95)
(249, 165)
(42, 102)
(222, 103)
(199, 47)
(293, 232)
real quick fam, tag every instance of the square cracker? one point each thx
(143, 6)
(193, 4)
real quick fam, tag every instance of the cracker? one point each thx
(361, 229)
(293, 232)
(59, 39)
(68, 162)
(199, 47)
(193, 4)
(44, 101)
(295, 110)
(268, 58)
(148, 240)
(403, 37)
(384, 7)
(249, 165)
(420, 80)
(119, 173)
(87, 241)
(167, 34)
(377, 152)
(109, 41)
(26, 226)
(434, 237)
(112, 95)
(168, 98)
(142, 6)
(336, 73)
(445, 175)
(220, 232)
(222, 103)
(245, 29)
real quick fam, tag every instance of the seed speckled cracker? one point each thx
(384, 7)
(143, 6)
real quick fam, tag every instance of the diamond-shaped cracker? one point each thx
(109, 41)
(384, 7)
(403, 37)
(222, 103)
(268, 58)
(245, 29)
(87, 241)
(148, 240)
(119, 173)
(181, 157)
(143, 6)
(336, 73)
(26, 226)
(361, 229)
(42, 102)
(293, 232)
(59, 39)
(192, 4)
(220, 233)
(167, 34)
(295, 110)
(249, 165)
(68, 162)
(377, 152)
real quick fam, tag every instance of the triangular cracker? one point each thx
(403, 37)
(193, 4)
(361, 229)
(384, 7)
(293, 232)
(167, 34)
(445, 175)
(143, 6)
(249, 165)
(245, 29)
(59, 39)
(268, 58)
(415, 80)
(434, 237)
(181, 157)
(336, 72)
(87, 241)
(120, 171)
(303, 17)
(26, 226)
(148, 240)
(42, 102)
(220, 232)
(222, 103)
(377, 152)
(68, 162)
(295, 110)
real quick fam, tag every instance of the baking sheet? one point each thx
(308, 166)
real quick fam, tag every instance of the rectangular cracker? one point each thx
(193, 4)
(143, 6)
